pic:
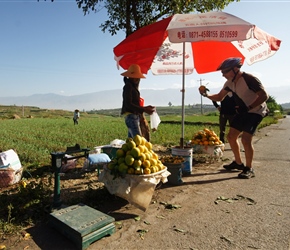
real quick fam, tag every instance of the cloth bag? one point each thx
(144, 126)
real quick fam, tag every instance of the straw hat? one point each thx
(133, 71)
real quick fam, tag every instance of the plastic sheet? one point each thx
(10, 168)
(215, 150)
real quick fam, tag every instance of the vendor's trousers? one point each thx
(133, 124)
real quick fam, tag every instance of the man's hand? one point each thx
(241, 109)
(149, 109)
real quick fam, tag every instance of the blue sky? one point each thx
(53, 48)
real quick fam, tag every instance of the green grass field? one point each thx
(34, 139)
(53, 131)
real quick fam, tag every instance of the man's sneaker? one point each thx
(234, 165)
(247, 173)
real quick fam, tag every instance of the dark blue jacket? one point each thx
(227, 106)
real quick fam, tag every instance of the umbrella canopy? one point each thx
(184, 42)
(212, 35)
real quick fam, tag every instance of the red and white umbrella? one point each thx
(184, 42)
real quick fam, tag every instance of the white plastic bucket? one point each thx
(186, 153)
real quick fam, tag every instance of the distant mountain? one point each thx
(111, 99)
(286, 105)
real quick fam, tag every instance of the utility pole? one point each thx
(200, 83)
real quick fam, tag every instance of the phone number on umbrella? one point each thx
(208, 33)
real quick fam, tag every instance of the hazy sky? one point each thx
(50, 47)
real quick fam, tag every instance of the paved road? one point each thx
(257, 218)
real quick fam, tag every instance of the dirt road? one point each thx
(217, 210)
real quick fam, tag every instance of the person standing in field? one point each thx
(76, 117)
(227, 111)
(250, 104)
(131, 107)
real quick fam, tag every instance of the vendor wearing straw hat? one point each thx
(131, 107)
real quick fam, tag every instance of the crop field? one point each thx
(34, 139)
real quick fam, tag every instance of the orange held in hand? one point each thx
(202, 90)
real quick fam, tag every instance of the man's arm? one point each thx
(262, 97)
(219, 96)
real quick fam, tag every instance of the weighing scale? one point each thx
(80, 223)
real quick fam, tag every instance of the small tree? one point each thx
(273, 105)
(169, 104)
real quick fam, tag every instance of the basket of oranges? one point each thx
(206, 141)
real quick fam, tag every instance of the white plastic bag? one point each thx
(154, 120)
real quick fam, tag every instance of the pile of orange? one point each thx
(206, 137)
(135, 157)
(172, 159)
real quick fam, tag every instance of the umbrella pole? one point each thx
(183, 91)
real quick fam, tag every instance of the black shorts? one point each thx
(247, 122)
